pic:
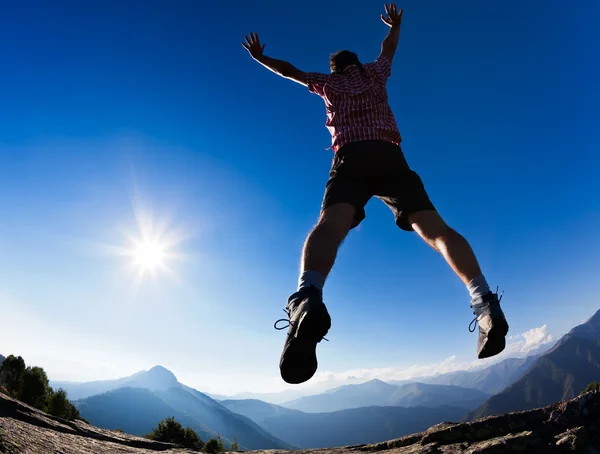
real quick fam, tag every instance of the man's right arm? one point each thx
(390, 43)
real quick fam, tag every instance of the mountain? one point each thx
(569, 427)
(135, 411)
(379, 393)
(356, 425)
(490, 380)
(156, 378)
(561, 373)
(150, 396)
(278, 398)
(2, 358)
(257, 410)
(368, 424)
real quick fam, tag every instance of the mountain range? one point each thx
(137, 403)
(353, 426)
(561, 373)
(350, 414)
(490, 380)
(379, 393)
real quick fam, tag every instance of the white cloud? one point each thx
(518, 346)
(529, 340)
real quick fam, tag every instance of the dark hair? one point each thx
(340, 60)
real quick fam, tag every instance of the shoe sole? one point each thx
(496, 339)
(299, 358)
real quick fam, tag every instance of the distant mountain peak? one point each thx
(157, 378)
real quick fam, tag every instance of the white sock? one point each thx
(478, 287)
(308, 278)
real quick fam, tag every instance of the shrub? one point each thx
(171, 431)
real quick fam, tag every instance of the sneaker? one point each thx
(492, 325)
(308, 322)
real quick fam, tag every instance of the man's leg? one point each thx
(460, 256)
(404, 193)
(346, 195)
(321, 246)
(452, 245)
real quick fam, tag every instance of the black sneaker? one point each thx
(493, 326)
(308, 322)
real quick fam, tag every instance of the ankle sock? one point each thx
(308, 278)
(478, 287)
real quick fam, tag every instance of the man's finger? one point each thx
(248, 41)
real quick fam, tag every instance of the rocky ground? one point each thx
(565, 427)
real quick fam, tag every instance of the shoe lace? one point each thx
(288, 321)
(474, 321)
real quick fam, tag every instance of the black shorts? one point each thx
(361, 170)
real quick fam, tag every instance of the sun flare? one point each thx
(149, 255)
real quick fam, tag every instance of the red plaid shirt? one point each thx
(357, 104)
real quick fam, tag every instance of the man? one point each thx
(368, 161)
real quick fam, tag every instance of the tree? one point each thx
(171, 431)
(11, 374)
(35, 388)
(59, 405)
(211, 446)
(592, 386)
(192, 440)
(235, 446)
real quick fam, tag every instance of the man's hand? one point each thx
(253, 46)
(394, 18)
(283, 68)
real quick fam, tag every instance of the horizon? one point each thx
(159, 185)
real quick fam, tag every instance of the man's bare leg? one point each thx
(452, 245)
(461, 258)
(322, 244)
(309, 320)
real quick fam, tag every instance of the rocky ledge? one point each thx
(564, 427)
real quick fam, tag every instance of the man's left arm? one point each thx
(283, 68)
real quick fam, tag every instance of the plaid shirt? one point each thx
(357, 104)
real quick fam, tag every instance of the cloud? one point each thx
(528, 341)
(517, 346)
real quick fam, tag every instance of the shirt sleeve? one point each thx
(383, 67)
(316, 82)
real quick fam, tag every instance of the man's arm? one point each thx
(390, 42)
(280, 67)
(283, 68)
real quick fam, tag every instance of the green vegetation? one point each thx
(235, 446)
(592, 386)
(170, 431)
(30, 385)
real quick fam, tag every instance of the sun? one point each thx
(149, 255)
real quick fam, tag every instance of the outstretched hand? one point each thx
(394, 18)
(253, 46)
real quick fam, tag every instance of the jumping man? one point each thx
(368, 161)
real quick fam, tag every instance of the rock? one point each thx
(564, 427)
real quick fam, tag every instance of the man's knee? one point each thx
(429, 225)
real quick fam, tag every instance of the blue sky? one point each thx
(121, 114)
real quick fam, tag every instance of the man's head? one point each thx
(340, 60)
